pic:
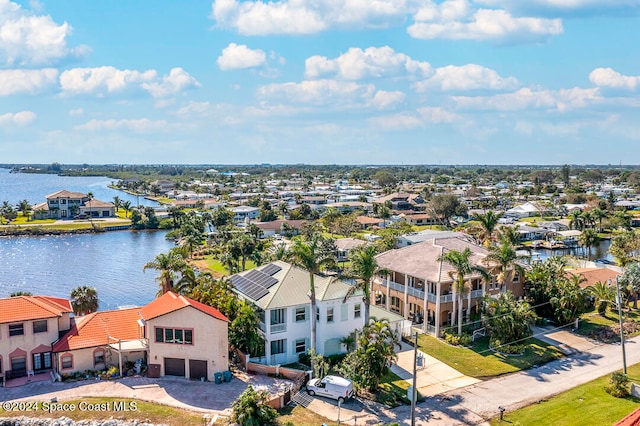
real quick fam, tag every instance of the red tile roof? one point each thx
(593, 275)
(95, 329)
(26, 308)
(633, 419)
(170, 302)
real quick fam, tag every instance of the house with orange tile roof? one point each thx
(174, 335)
(101, 339)
(28, 326)
(594, 275)
(185, 338)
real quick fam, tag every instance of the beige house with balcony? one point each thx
(28, 326)
(419, 287)
(66, 205)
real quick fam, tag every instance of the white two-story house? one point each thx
(67, 205)
(280, 291)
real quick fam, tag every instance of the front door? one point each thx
(41, 361)
(19, 366)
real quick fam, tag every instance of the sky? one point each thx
(320, 81)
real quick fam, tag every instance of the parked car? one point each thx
(80, 216)
(334, 387)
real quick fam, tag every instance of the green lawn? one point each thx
(215, 265)
(480, 362)
(392, 391)
(584, 405)
(143, 411)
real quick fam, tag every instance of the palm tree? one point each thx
(168, 264)
(630, 279)
(312, 254)
(488, 222)
(84, 300)
(90, 197)
(363, 267)
(25, 208)
(575, 220)
(462, 267)
(599, 214)
(505, 258)
(117, 203)
(587, 239)
(126, 205)
(603, 295)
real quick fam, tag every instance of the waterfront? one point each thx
(111, 262)
(15, 187)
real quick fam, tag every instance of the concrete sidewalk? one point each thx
(433, 377)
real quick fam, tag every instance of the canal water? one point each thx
(110, 261)
(54, 265)
(15, 187)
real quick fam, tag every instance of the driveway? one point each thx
(433, 377)
(206, 397)
(565, 340)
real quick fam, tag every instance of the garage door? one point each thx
(174, 367)
(197, 369)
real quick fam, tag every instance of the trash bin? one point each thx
(227, 376)
(218, 377)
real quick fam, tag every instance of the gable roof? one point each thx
(292, 287)
(593, 275)
(66, 194)
(421, 260)
(26, 308)
(100, 329)
(171, 302)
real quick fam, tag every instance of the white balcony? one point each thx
(475, 294)
(278, 328)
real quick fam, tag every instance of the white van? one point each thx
(332, 387)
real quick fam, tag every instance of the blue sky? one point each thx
(320, 81)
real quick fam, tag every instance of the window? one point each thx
(98, 357)
(329, 314)
(67, 361)
(159, 334)
(63, 201)
(16, 329)
(301, 314)
(277, 316)
(516, 277)
(178, 336)
(356, 310)
(278, 346)
(301, 346)
(317, 314)
(40, 326)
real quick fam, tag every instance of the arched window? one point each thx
(98, 357)
(66, 361)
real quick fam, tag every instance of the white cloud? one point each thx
(177, 81)
(457, 19)
(142, 125)
(466, 77)
(319, 92)
(387, 100)
(357, 64)
(108, 80)
(239, 56)
(19, 118)
(607, 77)
(77, 112)
(30, 39)
(525, 98)
(437, 115)
(258, 17)
(401, 121)
(563, 5)
(26, 81)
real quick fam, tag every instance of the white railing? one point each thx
(446, 298)
(416, 292)
(396, 286)
(476, 294)
(432, 297)
(278, 328)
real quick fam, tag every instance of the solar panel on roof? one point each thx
(251, 284)
(271, 269)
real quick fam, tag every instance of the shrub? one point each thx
(618, 385)
(457, 340)
(512, 349)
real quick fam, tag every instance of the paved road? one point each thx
(475, 404)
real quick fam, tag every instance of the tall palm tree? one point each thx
(599, 214)
(505, 259)
(117, 203)
(488, 222)
(363, 267)
(587, 239)
(575, 220)
(630, 279)
(84, 300)
(90, 197)
(460, 261)
(168, 264)
(126, 205)
(312, 254)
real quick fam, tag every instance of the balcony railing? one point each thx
(446, 298)
(415, 292)
(278, 328)
(476, 294)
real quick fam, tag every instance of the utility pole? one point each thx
(414, 393)
(619, 300)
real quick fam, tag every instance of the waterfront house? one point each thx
(185, 338)
(101, 339)
(28, 326)
(418, 285)
(244, 213)
(67, 205)
(280, 291)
